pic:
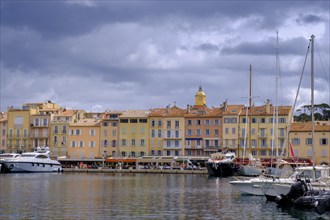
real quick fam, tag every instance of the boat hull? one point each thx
(221, 169)
(28, 167)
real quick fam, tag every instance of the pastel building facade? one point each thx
(109, 134)
(59, 130)
(134, 133)
(3, 132)
(300, 137)
(84, 139)
(260, 134)
(167, 131)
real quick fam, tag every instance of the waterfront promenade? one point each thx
(151, 171)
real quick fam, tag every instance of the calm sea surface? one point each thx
(132, 196)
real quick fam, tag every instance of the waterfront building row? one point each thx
(196, 130)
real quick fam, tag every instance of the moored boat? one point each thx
(222, 164)
(37, 161)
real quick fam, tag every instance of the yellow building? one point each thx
(109, 134)
(258, 130)
(167, 127)
(230, 126)
(40, 126)
(84, 139)
(134, 133)
(3, 132)
(59, 129)
(203, 131)
(301, 140)
(18, 127)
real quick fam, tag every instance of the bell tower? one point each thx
(200, 97)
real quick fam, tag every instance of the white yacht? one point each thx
(265, 186)
(37, 161)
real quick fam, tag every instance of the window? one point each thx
(177, 124)
(226, 130)
(189, 122)
(207, 132)
(198, 132)
(216, 122)
(114, 133)
(233, 130)
(45, 122)
(233, 120)
(244, 120)
(92, 132)
(77, 132)
(105, 143)
(271, 120)
(282, 120)
(92, 144)
(233, 142)
(207, 143)
(143, 120)
(263, 153)
(168, 124)
(73, 143)
(159, 152)
(263, 121)
(159, 123)
(198, 143)
(216, 143)
(64, 129)
(189, 132)
(177, 134)
(207, 122)
(159, 133)
(282, 132)
(262, 132)
(123, 142)
(105, 132)
(198, 122)
(133, 120)
(216, 132)
(133, 142)
(254, 120)
(123, 154)
(153, 123)
(142, 130)
(81, 143)
(295, 141)
(105, 124)
(36, 122)
(324, 141)
(168, 143)
(114, 143)
(168, 135)
(152, 152)
(123, 120)
(253, 131)
(55, 129)
(253, 143)
(133, 130)
(309, 141)
(263, 143)
(177, 143)
(227, 120)
(55, 139)
(142, 143)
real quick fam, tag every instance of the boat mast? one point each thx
(276, 97)
(250, 110)
(312, 99)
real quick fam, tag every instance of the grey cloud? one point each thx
(309, 19)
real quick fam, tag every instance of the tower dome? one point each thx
(200, 97)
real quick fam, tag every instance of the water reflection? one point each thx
(131, 196)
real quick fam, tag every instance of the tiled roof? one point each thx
(233, 109)
(261, 110)
(168, 112)
(204, 112)
(86, 122)
(307, 127)
(66, 113)
(135, 114)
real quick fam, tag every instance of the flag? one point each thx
(291, 150)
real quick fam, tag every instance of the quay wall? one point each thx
(151, 171)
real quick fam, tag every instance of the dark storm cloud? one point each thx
(268, 47)
(117, 53)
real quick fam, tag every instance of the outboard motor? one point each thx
(297, 190)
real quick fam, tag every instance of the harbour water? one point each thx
(132, 196)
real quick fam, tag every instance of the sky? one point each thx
(127, 55)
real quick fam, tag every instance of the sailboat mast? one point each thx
(276, 96)
(250, 105)
(312, 95)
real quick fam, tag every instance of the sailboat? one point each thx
(254, 167)
(314, 193)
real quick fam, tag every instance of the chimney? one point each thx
(268, 106)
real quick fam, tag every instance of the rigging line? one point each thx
(318, 51)
(295, 102)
